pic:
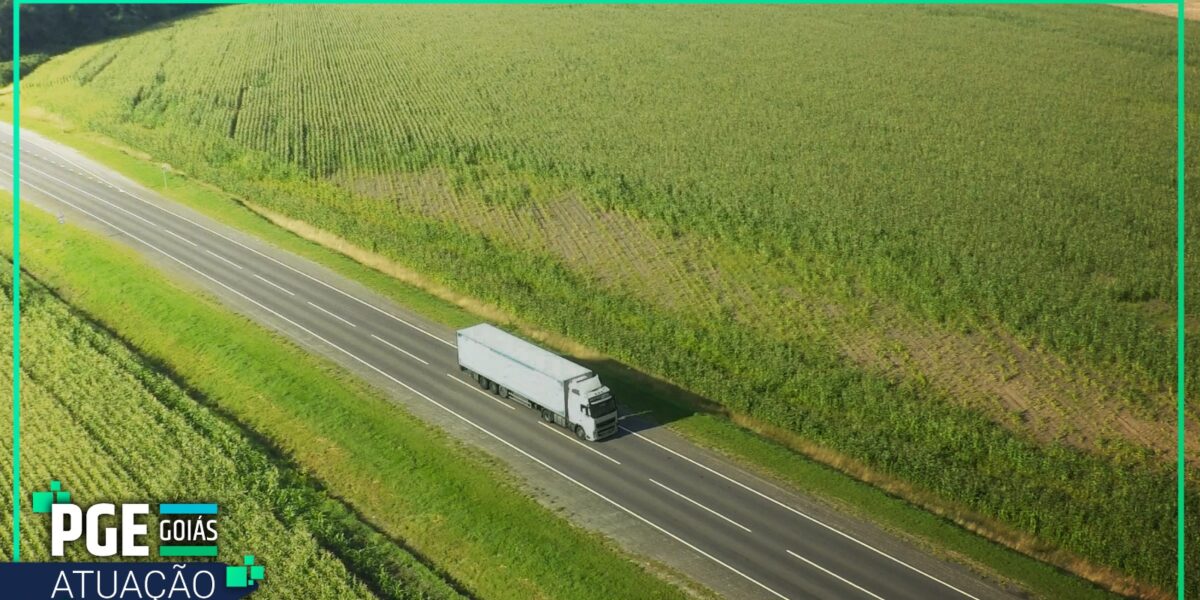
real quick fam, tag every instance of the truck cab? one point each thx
(594, 404)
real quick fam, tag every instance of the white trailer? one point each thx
(563, 392)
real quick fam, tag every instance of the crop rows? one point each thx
(99, 419)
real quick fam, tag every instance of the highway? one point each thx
(648, 488)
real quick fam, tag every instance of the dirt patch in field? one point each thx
(1191, 9)
(41, 114)
(1023, 388)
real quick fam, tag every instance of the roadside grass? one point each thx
(111, 427)
(451, 505)
(668, 405)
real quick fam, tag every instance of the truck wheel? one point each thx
(495, 387)
(503, 392)
(546, 416)
(579, 433)
(483, 382)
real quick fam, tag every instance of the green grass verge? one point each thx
(745, 447)
(447, 503)
(109, 425)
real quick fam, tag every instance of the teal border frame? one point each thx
(1180, 332)
(1181, 67)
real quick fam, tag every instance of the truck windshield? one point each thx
(602, 408)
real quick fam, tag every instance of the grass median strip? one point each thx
(449, 504)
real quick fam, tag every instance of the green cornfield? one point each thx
(937, 240)
(107, 424)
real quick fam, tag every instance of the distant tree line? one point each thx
(51, 28)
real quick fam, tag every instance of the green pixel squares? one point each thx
(235, 577)
(246, 575)
(42, 501)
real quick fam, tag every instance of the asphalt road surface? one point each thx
(648, 488)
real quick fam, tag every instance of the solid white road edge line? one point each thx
(83, 191)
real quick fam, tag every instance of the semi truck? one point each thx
(566, 394)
